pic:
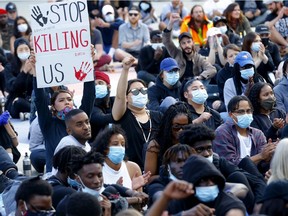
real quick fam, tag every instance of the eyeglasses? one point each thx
(50, 212)
(174, 70)
(137, 91)
(242, 111)
(202, 149)
(133, 14)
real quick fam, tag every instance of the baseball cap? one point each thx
(271, 1)
(168, 64)
(135, 8)
(2, 11)
(107, 9)
(184, 34)
(102, 76)
(262, 29)
(213, 31)
(243, 58)
(217, 19)
(11, 7)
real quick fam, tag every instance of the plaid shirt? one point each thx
(227, 143)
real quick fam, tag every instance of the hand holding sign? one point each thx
(38, 16)
(82, 72)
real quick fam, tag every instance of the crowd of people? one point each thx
(202, 130)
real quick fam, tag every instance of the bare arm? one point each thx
(120, 106)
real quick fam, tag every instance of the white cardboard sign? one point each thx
(61, 40)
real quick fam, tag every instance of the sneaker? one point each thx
(26, 116)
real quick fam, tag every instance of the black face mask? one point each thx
(268, 104)
(265, 41)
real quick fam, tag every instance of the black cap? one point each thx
(276, 190)
(134, 7)
(217, 19)
(184, 34)
(11, 7)
(262, 29)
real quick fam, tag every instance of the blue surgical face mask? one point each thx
(171, 78)
(139, 100)
(255, 46)
(199, 96)
(86, 189)
(101, 91)
(223, 29)
(116, 154)
(244, 121)
(245, 74)
(207, 194)
(73, 183)
(61, 114)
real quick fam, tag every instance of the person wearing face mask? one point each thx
(129, 110)
(220, 22)
(19, 79)
(34, 198)
(236, 140)
(147, 13)
(111, 143)
(166, 90)
(21, 29)
(108, 25)
(208, 185)
(264, 33)
(87, 170)
(245, 182)
(230, 52)
(51, 120)
(195, 95)
(266, 116)
(261, 57)
(243, 79)
(101, 115)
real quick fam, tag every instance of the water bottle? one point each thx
(26, 165)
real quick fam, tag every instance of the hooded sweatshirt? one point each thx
(195, 169)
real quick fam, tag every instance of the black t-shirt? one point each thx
(188, 71)
(135, 135)
(280, 25)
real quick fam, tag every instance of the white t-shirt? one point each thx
(245, 145)
(71, 141)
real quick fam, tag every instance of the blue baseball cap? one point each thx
(244, 58)
(168, 64)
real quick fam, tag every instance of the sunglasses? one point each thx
(137, 91)
(133, 14)
(178, 127)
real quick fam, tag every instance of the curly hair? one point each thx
(164, 136)
(248, 40)
(194, 133)
(79, 160)
(101, 142)
(254, 95)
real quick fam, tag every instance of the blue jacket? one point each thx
(280, 92)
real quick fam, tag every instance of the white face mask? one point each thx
(23, 56)
(223, 29)
(156, 45)
(109, 18)
(210, 158)
(22, 27)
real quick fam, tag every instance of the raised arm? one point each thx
(120, 105)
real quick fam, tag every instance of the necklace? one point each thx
(150, 126)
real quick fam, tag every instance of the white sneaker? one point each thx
(22, 116)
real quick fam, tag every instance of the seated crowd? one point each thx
(202, 130)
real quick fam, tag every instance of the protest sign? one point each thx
(61, 40)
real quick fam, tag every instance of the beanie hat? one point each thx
(102, 76)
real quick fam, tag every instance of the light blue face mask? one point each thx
(245, 74)
(172, 78)
(199, 96)
(116, 154)
(86, 189)
(255, 46)
(139, 100)
(220, 40)
(101, 91)
(207, 194)
(73, 183)
(244, 121)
